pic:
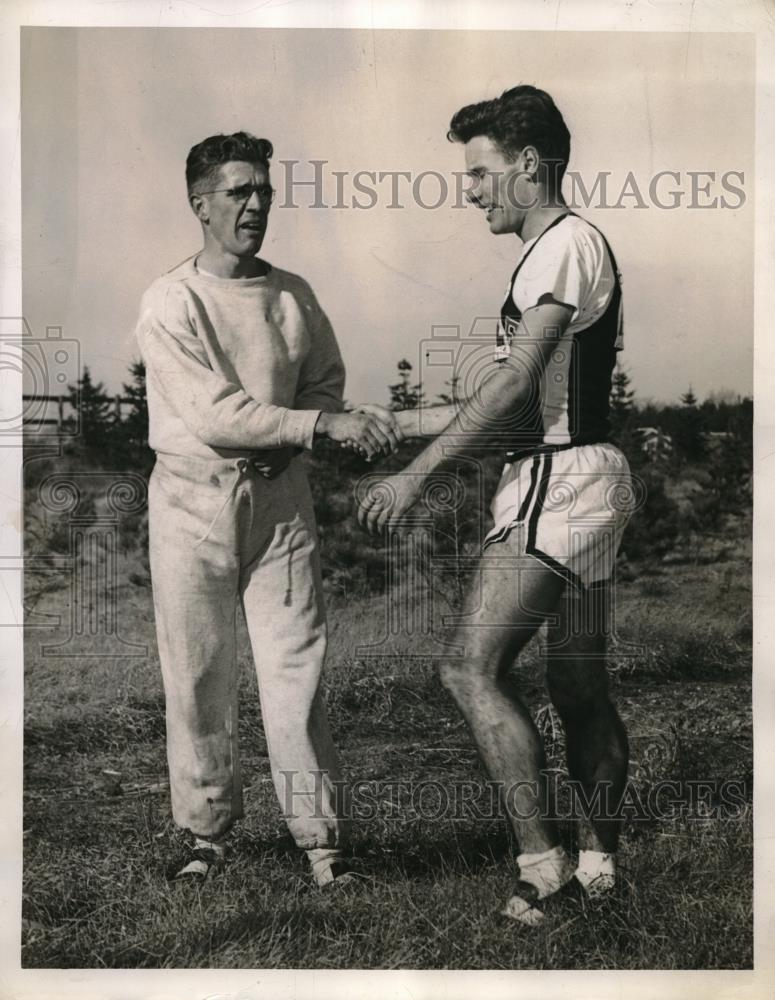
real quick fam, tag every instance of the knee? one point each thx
(474, 678)
(452, 677)
(577, 689)
(462, 679)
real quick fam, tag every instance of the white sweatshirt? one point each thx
(235, 364)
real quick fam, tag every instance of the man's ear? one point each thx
(531, 161)
(199, 207)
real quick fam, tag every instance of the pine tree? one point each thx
(134, 427)
(448, 398)
(732, 461)
(621, 415)
(404, 396)
(689, 433)
(93, 405)
(621, 400)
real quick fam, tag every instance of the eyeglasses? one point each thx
(244, 193)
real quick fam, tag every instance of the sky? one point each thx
(109, 114)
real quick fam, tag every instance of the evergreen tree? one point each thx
(96, 418)
(448, 398)
(622, 414)
(134, 427)
(689, 429)
(622, 400)
(404, 396)
(732, 461)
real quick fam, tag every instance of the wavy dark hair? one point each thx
(522, 116)
(205, 159)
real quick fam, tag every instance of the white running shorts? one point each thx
(570, 507)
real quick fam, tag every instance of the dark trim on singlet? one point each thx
(593, 357)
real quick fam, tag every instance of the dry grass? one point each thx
(95, 893)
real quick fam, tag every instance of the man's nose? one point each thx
(474, 193)
(254, 202)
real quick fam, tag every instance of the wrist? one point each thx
(323, 424)
(408, 422)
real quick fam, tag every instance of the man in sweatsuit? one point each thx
(243, 372)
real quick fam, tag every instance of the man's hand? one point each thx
(387, 501)
(426, 421)
(383, 413)
(371, 434)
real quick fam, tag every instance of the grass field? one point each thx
(96, 847)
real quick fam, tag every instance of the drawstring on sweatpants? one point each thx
(240, 469)
(289, 592)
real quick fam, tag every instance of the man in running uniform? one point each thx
(557, 509)
(244, 372)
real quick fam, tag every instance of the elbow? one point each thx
(211, 439)
(210, 434)
(217, 433)
(208, 426)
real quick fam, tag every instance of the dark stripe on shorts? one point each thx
(557, 567)
(505, 531)
(522, 514)
(542, 488)
(501, 536)
(530, 549)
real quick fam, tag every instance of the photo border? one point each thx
(602, 15)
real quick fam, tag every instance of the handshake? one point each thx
(369, 429)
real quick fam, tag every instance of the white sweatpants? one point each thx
(221, 534)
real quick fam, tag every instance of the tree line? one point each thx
(709, 443)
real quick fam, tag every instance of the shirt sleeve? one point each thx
(563, 268)
(216, 411)
(322, 375)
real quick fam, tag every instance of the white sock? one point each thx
(197, 867)
(321, 859)
(596, 871)
(218, 846)
(547, 871)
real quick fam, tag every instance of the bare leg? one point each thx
(596, 740)
(511, 595)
